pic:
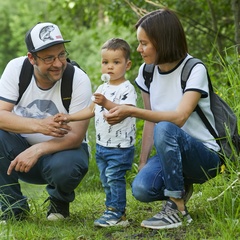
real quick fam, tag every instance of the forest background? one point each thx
(213, 34)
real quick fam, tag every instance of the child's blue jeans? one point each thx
(113, 164)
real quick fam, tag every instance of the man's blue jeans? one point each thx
(61, 171)
(113, 164)
(180, 159)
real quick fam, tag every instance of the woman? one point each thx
(186, 152)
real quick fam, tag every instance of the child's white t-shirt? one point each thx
(121, 135)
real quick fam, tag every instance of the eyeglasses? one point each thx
(49, 60)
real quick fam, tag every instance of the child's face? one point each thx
(115, 64)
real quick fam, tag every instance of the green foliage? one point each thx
(208, 24)
(15, 22)
(85, 49)
(224, 72)
(78, 13)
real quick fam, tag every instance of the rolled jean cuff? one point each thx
(173, 194)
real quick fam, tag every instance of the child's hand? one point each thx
(100, 99)
(61, 118)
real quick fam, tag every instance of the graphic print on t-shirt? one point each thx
(39, 109)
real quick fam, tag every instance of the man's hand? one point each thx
(25, 160)
(52, 128)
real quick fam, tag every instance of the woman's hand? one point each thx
(117, 114)
(141, 165)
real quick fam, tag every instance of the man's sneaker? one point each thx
(188, 192)
(57, 209)
(15, 214)
(111, 218)
(169, 217)
(10, 216)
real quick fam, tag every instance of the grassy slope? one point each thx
(217, 219)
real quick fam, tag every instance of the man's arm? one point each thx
(17, 124)
(65, 136)
(28, 158)
(71, 140)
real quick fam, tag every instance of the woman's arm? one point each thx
(178, 116)
(147, 134)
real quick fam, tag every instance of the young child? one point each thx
(114, 143)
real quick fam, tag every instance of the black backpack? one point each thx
(66, 86)
(225, 119)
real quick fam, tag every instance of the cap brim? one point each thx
(50, 45)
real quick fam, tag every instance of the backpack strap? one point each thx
(25, 77)
(148, 70)
(66, 86)
(206, 122)
(186, 71)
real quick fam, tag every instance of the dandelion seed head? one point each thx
(105, 77)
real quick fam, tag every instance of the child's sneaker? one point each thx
(111, 218)
(169, 217)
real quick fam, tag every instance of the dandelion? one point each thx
(105, 77)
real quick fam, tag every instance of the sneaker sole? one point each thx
(175, 225)
(55, 217)
(121, 223)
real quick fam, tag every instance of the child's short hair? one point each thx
(118, 44)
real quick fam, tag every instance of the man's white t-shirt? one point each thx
(166, 93)
(121, 135)
(39, 103)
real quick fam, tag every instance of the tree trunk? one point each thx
(236, 12)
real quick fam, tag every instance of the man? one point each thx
(33, 147)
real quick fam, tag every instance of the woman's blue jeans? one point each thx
(180, 159)
(113, 163)
(61, 171)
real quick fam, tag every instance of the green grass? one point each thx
(214, 206)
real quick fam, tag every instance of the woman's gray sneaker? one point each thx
(168, 217)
